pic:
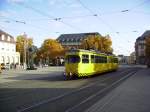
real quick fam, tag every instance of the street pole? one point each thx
(25, 46)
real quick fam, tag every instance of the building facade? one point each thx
(140, 48)
(74, 40)
(132, 58)
(8, 54)
(122, 59)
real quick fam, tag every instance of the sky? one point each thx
(123, 20)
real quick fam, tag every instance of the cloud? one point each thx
(7, 13)
(78, 12)
(74, 5)
(77, 20)
(4, 13)
(55, 2)
(52, 2)
(64, 3)
(16, 1)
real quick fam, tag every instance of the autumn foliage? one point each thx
(98, 42)
(23, 43)
(50, 49)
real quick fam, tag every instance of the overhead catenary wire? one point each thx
(17, 21)
(139, 5)
(108, 25)
(9, 20)
(59, 18)
(50, 16)
(128, 9)
(97, 16)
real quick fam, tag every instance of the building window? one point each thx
(2, 59)
(8, 59)
(3, 37)
(8, 38)
(142, 46)
(13, 59)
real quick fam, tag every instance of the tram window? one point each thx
(85, 58)
(111, 60)
(97, 59)
(72, 59)
(115, 60)
(104, 60)
(100, 59)
(92, 59)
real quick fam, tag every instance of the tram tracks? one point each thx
(9, 91)
(88, 99)
(52, 101)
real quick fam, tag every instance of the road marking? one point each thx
(99, 92)
(58, 97)
(61, 96)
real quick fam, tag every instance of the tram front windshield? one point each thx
(72, 59)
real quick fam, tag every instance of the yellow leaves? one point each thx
(97, 42)
(51, 48)
(23, 43)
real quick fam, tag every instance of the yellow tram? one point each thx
(80, 63)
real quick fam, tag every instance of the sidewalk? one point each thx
(133, 95)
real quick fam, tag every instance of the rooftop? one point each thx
(144, 35)
(75, 37)
(11, 38)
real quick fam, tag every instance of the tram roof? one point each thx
(88, 51)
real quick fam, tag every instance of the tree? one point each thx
(147, 51)
(50, 49)
(22, 44)
(98, 42)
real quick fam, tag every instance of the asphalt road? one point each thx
(45, 90)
